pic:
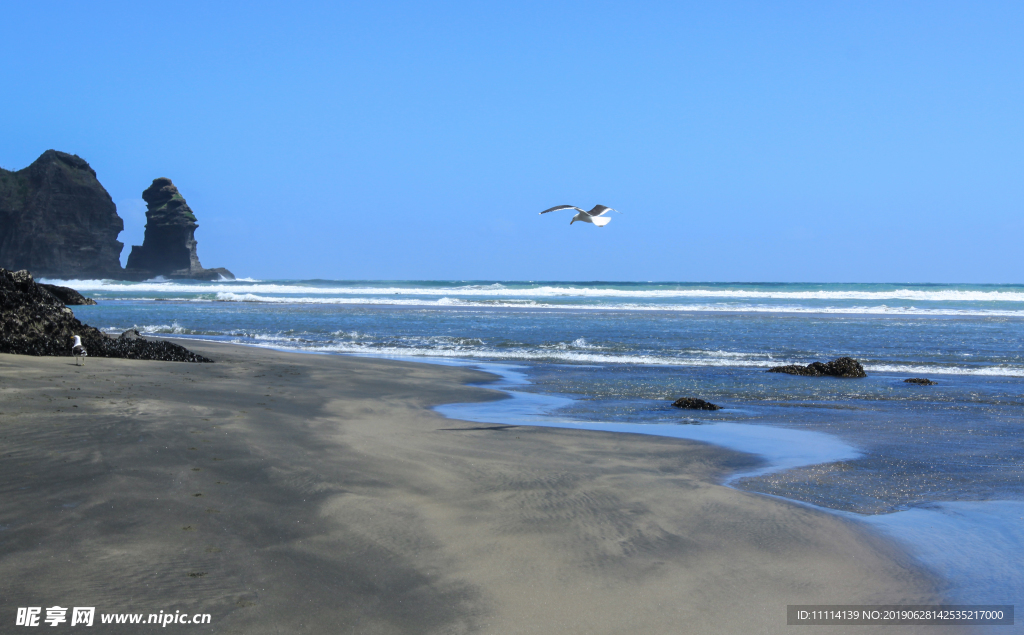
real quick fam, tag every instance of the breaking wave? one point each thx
(245, 286)
(578, 351)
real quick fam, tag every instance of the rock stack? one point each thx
(169, 246)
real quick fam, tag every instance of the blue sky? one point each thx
(743, 141)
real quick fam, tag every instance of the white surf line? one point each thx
(549, 291)
(460, 357)
(452, 301)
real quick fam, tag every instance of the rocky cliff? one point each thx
(169, 246)
(58, 221)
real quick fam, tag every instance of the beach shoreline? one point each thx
(285, 491)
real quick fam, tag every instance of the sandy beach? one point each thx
(284, 492)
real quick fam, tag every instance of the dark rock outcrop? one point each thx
(169, 246)
(57, 221)
(842, 367)
(67, 295)
(692, 403)
(33, 321)
(921, 381)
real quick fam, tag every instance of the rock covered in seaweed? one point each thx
(57, 221)
(169, 246)
(33, 321)
(920, 381)
(841, 367)
(692, 403)
(67, 295)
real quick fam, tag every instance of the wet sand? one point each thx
(282, 492)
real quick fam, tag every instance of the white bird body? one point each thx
(600, 221)
(595, 216)
(77, 349)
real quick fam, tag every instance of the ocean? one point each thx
(932, 466)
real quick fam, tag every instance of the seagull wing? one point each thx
(558, 207)
(601, 209)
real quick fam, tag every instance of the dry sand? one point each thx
(286, 493)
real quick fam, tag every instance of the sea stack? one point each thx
(57, 221)
(169, 246)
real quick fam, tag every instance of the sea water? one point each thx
(904, 458)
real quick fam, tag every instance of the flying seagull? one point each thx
(595, 216)
(78, 350)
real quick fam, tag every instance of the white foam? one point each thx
(231, 296)
(247, 285)
(437, 347)
(579, 343)
(1007, 302)
(167, 329)
(908, 369)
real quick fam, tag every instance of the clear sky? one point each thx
(743, 141)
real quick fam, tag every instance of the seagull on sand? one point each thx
(595, 216)
(78, 350)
